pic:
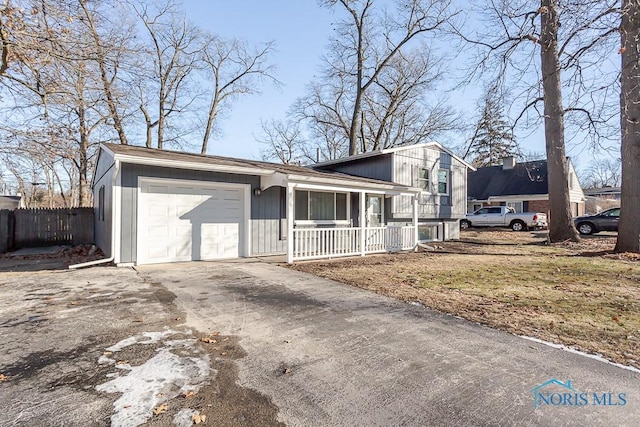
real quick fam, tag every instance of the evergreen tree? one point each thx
(493, 138)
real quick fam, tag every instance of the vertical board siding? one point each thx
(264, 215)
(102, 227)
(431, 205)
(44, 227)
(6, 230)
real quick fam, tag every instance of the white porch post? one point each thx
(415, 220)
(290, 219)
(363, 223)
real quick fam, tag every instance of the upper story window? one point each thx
(320, 206)
(422, 180)
(443, 181)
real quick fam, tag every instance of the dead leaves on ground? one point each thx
(199, 418)
(3, 378)
(210, 339)
(160, 409)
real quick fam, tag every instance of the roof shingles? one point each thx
(151, 153)
(494, 181)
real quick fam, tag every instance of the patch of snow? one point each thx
(122, 344)
(152, 338)
(184, 418)
(597, 357)
(161, 378)
(104, 360)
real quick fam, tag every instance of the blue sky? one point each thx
(301, 30)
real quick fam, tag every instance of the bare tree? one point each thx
(366, 43)
(398, 109)
(283, 141)
(629, 227)
(233, 69)
(109, 52)
(580, 43)
(60, 79)
(601, 172)
(561, 224)
(175, 47)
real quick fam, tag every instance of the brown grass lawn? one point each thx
(575, 294)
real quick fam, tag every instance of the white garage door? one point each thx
(186, 220)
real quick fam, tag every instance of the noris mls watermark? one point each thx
(556, 393)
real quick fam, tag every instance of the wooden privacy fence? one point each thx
(23, 228)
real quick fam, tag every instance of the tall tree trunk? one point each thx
(161, 118)
(149, 126)
(211, 117)
(106, 83)
(561, 226)
(357, 104)
(629, 227)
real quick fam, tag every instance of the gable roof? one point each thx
(182, 160)
(435, 144)
(492, 181)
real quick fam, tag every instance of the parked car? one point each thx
(604, 221)
(504, 216)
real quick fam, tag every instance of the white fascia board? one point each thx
(329, 184)
(451, 153)
(102, 149)
(105, 149)
(180, 164)
(370, 154)
(518, 197)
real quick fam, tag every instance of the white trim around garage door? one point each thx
(246, 243)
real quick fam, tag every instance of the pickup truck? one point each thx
(504, 216)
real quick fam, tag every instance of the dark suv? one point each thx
(604, 221)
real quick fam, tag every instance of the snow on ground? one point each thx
(164, 376)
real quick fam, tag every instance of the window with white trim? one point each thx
(320, 206)
(443, 181)
(422, 180)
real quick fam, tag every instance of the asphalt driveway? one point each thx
(329, 354)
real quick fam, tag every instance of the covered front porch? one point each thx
(333, 218)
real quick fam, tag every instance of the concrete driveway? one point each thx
(330, 354)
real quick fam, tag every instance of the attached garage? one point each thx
(182, 220)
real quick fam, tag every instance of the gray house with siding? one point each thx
(436, 171)
(154, 206)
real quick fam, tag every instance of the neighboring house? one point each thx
(440, 174)
(600, 199)
(155, 206)
(10, 202)
(523, 186)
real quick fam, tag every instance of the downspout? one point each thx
(113, 226)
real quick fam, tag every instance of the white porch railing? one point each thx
(314, 243)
